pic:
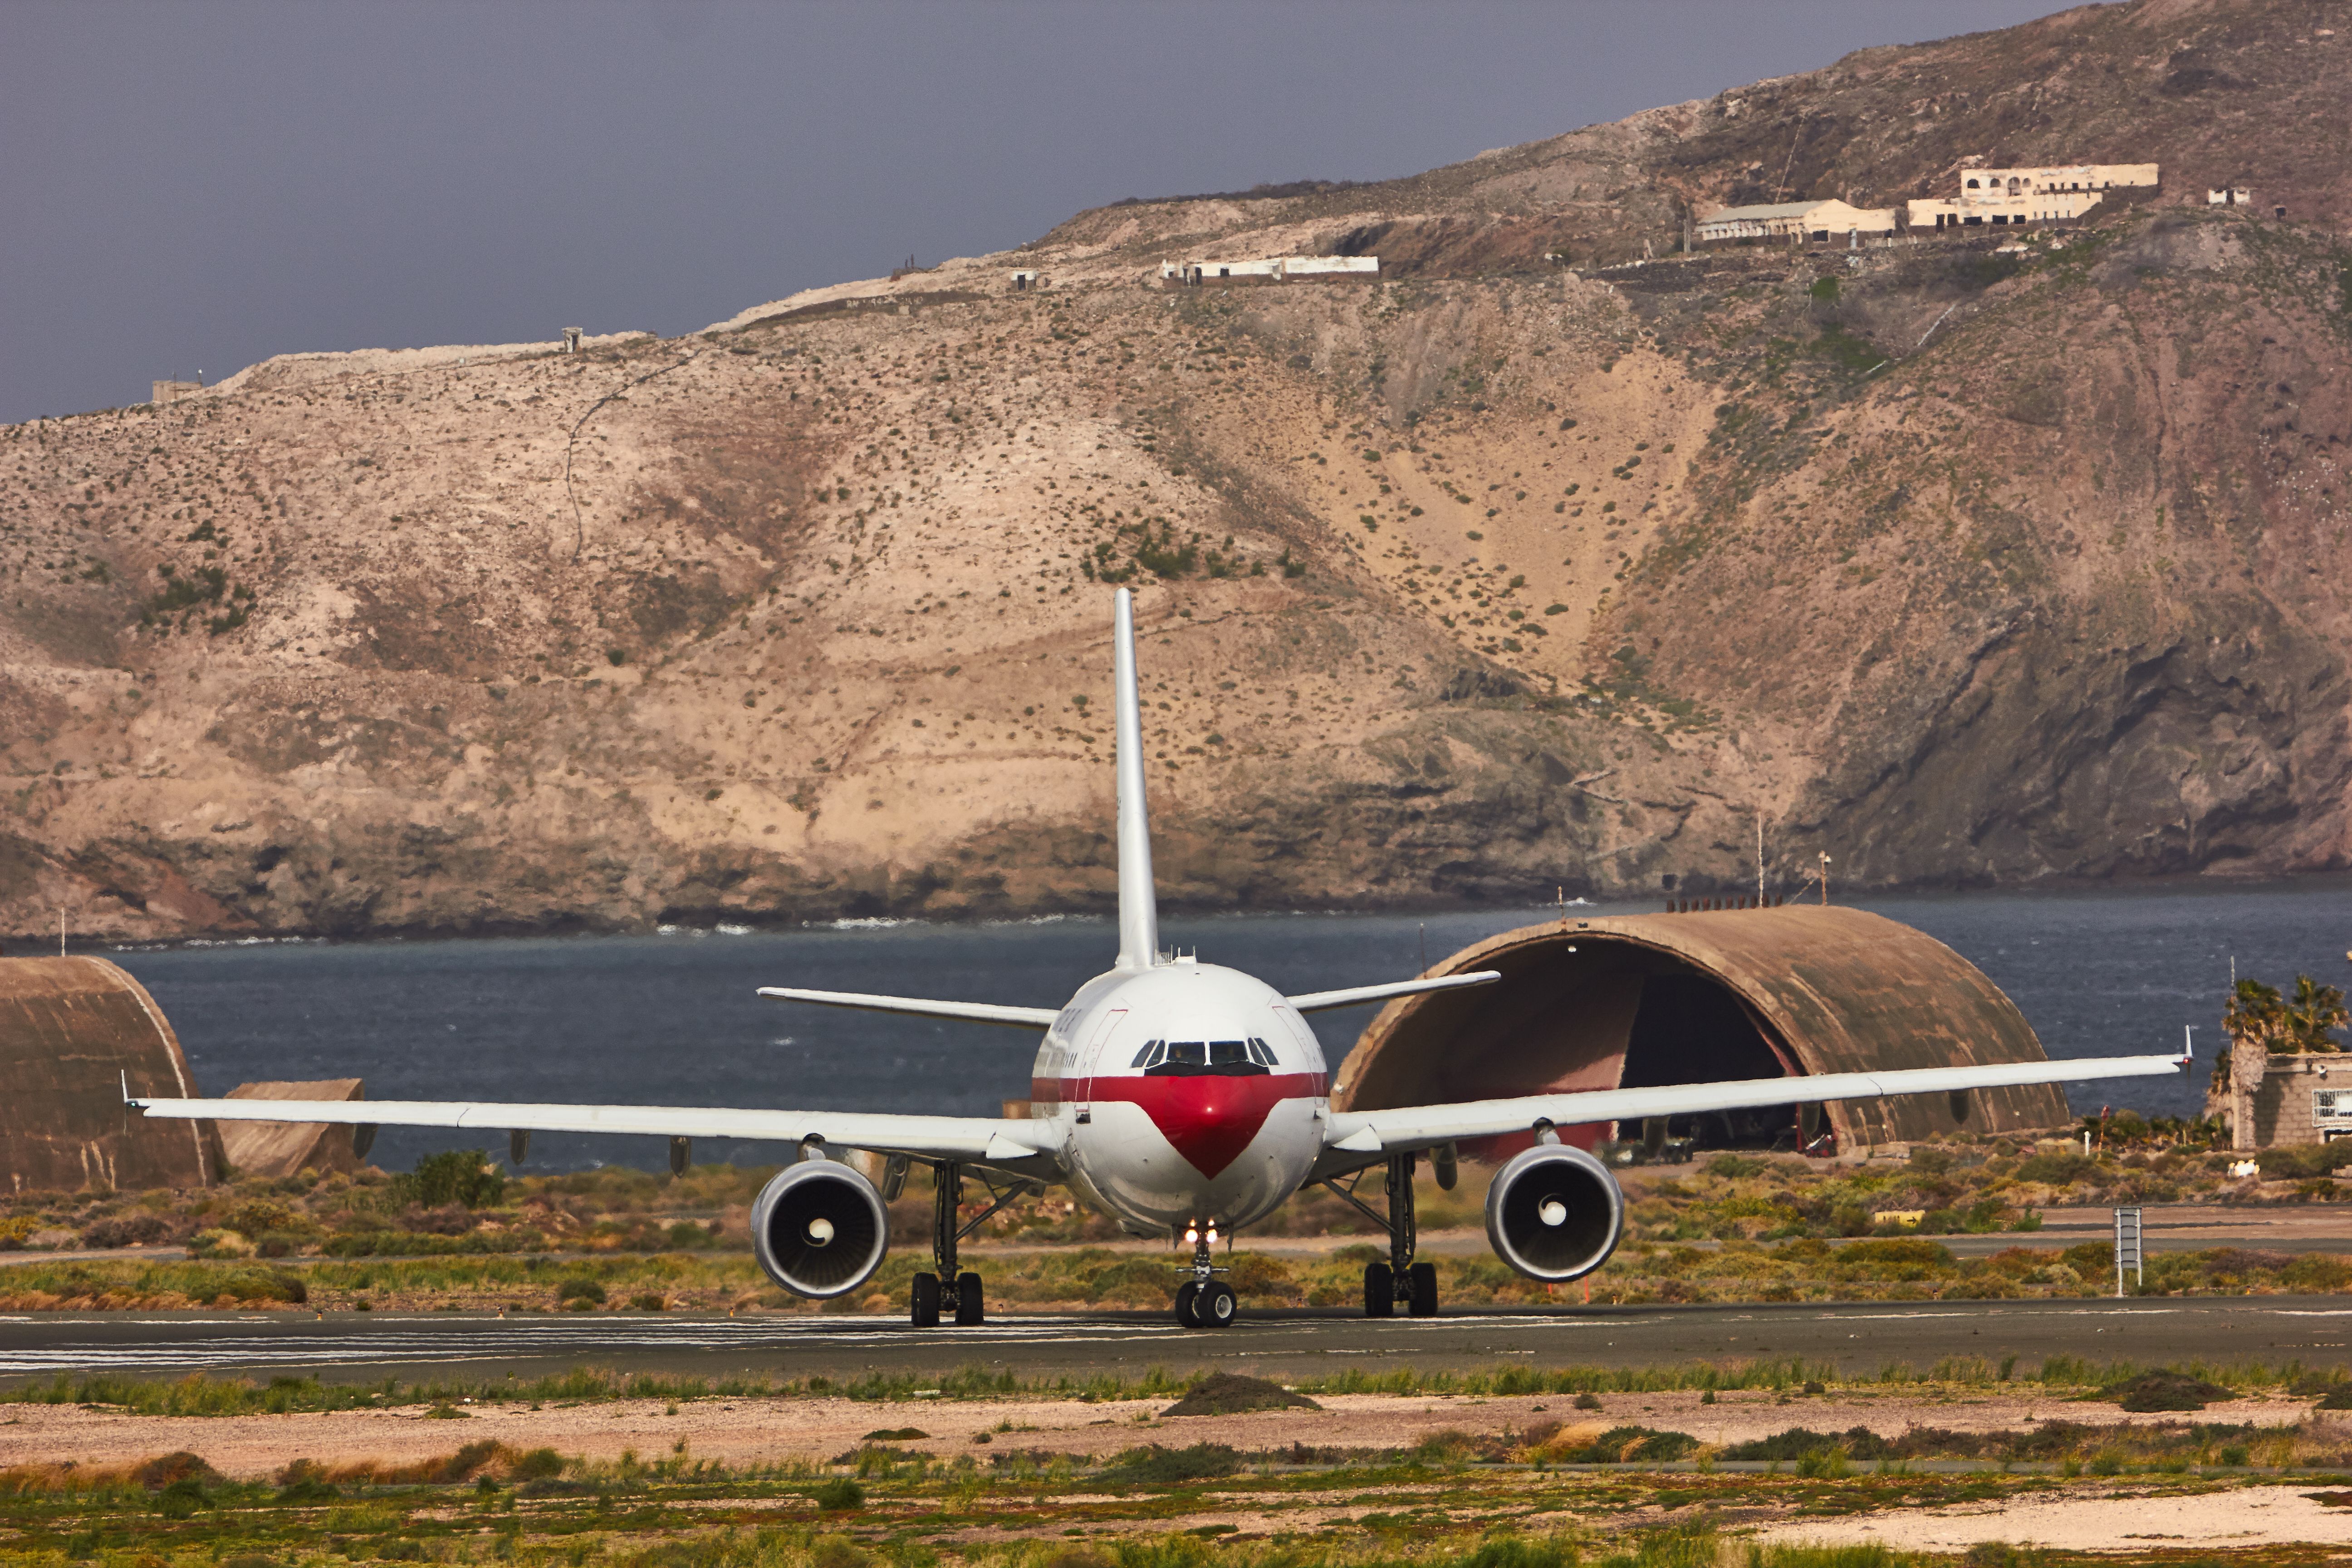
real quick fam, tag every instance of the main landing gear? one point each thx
(1204, 1301)
(949, 1289)
(1400, 1279)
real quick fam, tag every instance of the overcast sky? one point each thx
(197, 185)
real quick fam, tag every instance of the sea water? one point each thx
(672, 1019)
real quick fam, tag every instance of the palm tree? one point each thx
(2315, 1011)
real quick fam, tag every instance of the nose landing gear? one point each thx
(1204, 1301)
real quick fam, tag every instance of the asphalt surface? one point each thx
(1857, 1338)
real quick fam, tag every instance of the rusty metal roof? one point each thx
(1830, 989)
(71, 1031)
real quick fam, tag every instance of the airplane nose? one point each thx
(820, 1230)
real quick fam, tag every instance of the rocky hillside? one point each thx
(1492, 577)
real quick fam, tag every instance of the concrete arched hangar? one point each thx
(1639, 1001)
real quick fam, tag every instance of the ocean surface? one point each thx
(672, 1019)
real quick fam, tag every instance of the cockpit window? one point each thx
(1196, 1058)
(1261, 1053)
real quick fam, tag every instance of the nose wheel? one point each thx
(1205, 1301)
(1210, 1306)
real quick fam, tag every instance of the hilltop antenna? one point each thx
(1780, 191)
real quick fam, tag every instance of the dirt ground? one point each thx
(2246, 1516)
(748, 1431)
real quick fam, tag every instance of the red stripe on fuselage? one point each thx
(1209, 1120)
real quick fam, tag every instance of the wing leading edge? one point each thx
(987, 1140)
(1373, 1133)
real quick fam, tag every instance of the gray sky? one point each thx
(200, 184)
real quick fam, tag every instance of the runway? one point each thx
(1856, 1337)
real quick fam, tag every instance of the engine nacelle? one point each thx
(820, 1229)
(1554, 1213)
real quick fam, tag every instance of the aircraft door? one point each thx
(1091, 1057)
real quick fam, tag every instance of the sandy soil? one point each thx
(2249, 1516)
(768, 1430)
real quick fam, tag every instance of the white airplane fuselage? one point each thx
(1187, 1095)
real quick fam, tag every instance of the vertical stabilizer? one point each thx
(1139, 908)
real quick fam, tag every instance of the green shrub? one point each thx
(840, 1495)
(2057, 1168)
(182, 1498)
(579, 1288)
(1201, 1462)
(455, 1176)
(1631, 1446)
(538, 1465)
(261, 1285)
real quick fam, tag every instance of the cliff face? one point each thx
(1487, 578)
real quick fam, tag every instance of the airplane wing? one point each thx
(1369, 1134)
(976, 1011)
(1316, 1001)
(977, 1139)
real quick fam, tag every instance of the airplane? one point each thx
(1183, 1100)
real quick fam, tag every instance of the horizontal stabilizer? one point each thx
(974, 1012)
(1316, 1001)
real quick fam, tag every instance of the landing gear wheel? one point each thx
(925, 1312)
(1216, 1304)
(1188, 1302)
(1423, 1281)
(1380, 1291)
(967, 1308)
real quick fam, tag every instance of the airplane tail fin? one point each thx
(1138, 909)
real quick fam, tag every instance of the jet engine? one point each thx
(1554, 1213)
(819, 1228)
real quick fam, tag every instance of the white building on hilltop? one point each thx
(2051, 192)
(2045, 207)
(1822, 220)
(1988, 184)
(1277, 267)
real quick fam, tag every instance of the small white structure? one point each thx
(1280, 269)
(2230, 196)
(1026, 279)
(1824, 220)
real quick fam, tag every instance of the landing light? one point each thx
(1552, 1212)
(1213, 1235)
(819, 1231)
(1190, 1235)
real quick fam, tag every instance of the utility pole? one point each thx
(1825, 878)
(1760, 859)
